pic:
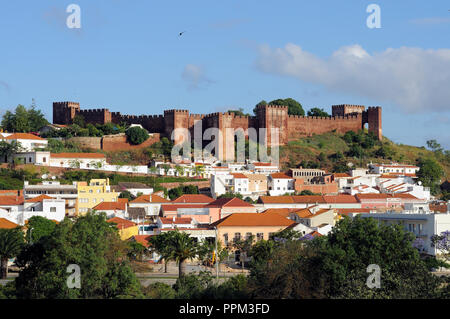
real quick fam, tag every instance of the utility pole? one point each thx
(217, 257)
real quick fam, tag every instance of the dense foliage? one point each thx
(23, 120)
(136, 135)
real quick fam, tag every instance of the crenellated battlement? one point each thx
(345, 117)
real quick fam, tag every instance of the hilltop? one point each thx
(332, 151)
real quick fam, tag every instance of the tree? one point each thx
(315, 111)
(11, 243)
(385, 151)
(183, 248)
(430, 173)
(294, 107)
(23, 120)
(136, 251)
(137, 135)
(161, 244)
(335, 266)
(244, 246)
(127, 194)
(38, 227)
(434, 146)
(8, 150)
(262, 103)
(89, 242)
(79, 120)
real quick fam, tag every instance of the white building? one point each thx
(418, 219)
(44, 206)
(77, 160)
(28, 142)
(394, 169)
(263, 168)
(280, 184)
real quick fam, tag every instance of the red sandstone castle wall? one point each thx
(301, 126)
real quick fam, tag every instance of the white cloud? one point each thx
(415, 79)
(194, 76)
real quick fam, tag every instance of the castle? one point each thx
(344, 118)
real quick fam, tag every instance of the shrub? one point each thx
(136, 135)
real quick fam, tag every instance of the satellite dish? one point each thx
(53, 177)
(419, 183)
(44, 176)
(349, 164)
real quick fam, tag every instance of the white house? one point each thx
(418, 219)
(263, 168)
(77, 160)
(151, 203)
(280, 184)
(394, 169)
(28, 142)
(43, 205)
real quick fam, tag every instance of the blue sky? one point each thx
(128, 57)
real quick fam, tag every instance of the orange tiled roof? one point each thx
(111, 206)
(150, 199)
(38, 198)
(263, 164)
(311, 199)
(276, 199)
(11, 192)
(281, 211)
(238, 175)
(6, 224)
(77, 155)
(121, 223)
(11, 200)
(193, 198)
(307, 213)
(280, 176)
(341, 175)
(229, 202)
(340, 199)
(254, 219)
(23, 136)
(143, 239)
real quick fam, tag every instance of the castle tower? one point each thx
(174, 119)
(64, 112)
(274, 116)
(374, 120)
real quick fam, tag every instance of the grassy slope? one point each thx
(309, 148)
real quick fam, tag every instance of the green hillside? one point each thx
(333, 151)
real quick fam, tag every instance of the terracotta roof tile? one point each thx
(121, 223)
(6, 224)
(150, 199)
(39, 198)
(254, 219)
(111, 206)
(24, 136)
(11, 200)
(193, 198)
(229, 202)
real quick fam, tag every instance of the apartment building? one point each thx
(93, 193)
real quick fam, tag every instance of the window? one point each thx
(52, 209)
(44, 159)
(237, 236)
(225, 239)
(259, 236)
(248, 235)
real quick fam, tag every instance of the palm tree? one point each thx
(11, 243)
(161, 244)
(198, 170)
(184, 248)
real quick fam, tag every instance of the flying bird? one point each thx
(181, 33)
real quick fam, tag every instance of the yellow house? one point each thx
(94, 193)
(127, 228)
